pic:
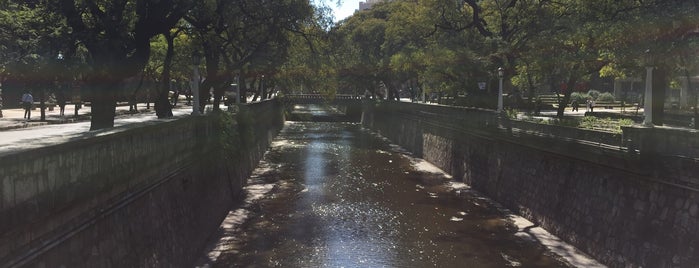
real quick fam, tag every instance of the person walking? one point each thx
(589, 105)
(61, 100)
(575, 105)
(27, 101)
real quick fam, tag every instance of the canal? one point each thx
(337, 195)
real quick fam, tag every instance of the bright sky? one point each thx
(344, 11)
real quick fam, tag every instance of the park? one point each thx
(493, 133)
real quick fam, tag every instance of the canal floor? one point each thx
(336, 195)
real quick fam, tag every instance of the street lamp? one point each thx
(648, 98)
(196, 60)
(237, 87)
(60, 97)
(501, 74)
(262, 88)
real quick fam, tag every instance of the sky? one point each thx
(344, 11)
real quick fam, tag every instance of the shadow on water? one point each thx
(341, 197)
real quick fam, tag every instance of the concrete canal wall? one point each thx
(141, 196)
(624, 206)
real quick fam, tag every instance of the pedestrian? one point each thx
(575, 105)
(592, 106)
(589, 105)
(175, 88)
(61, 100)
(27, 101)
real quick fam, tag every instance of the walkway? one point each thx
(17, 134)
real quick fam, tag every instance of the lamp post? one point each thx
(263, 93)
(196, 60)
(60, 98)
(501, 74)
(237, 87)
(648, 98)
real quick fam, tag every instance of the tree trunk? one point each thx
(42, 103)
(660, 83)
(257, 92)
(563, 103)
(103, 107)
(263, 90)
(530, 92)
(243, 89)
(163, 109)
(218, 95)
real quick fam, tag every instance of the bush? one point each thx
(579, 96)
(594, 94)
(606, 97)
(511, 113)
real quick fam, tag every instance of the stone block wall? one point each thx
(664, 141)
(624, 210)
(143, 196)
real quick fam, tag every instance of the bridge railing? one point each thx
(320, 98)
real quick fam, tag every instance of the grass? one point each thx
(604, 124)
(587, 122)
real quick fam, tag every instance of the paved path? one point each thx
(17, 134)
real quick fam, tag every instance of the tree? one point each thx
(245, 37)
(32, 36)
(117, 36)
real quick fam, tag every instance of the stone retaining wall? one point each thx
(624, 210)
(143, 196)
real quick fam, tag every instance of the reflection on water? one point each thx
(343, 197)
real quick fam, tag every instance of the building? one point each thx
(367, 5)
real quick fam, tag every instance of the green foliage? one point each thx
(606, 97)
(245, 120)
(582, 97)
(227, 135)
(587, 122)
(579, 96)
(440, 46)
(594, 94)
(511, 113)
(604, 124)
(566, 122)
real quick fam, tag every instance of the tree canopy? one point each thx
(396, 49)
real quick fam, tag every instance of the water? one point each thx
(334, 195)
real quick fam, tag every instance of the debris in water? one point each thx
(456, 219)
(510, 260)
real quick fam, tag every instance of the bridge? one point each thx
(321, 99)
(323, 108)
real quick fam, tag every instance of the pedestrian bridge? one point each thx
(319, 107)
(321, 99)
